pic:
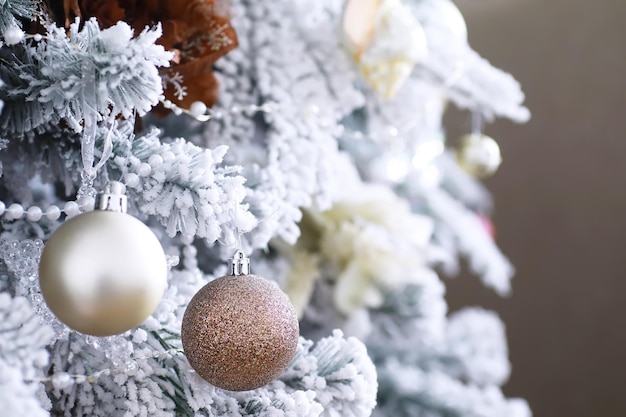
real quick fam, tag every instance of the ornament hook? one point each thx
(113, 198)
(240, 264)
(477, 123)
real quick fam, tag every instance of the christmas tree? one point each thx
(306, 135)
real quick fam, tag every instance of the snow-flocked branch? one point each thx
(11, 10)
(185, 187)
(86, 73)
(22, 357)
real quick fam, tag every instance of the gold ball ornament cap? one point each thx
(102, 273)
(478, 155)
(240, 332)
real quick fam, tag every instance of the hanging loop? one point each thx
(240, 264)
(113, 198)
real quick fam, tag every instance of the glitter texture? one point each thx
(240, 332)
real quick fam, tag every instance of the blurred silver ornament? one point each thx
(390, 167)
(478, 155)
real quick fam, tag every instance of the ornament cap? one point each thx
(113, 198)
(240, 264)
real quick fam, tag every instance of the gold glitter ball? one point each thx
(240, 332)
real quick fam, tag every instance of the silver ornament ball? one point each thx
(102, 273)
(240, 332)
(478, 155)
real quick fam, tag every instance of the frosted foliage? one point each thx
(10, 10)
(472, 239)
(415, 112)
(476, 338)
(23, 337)
(461, 186)
(296, 42)
(86, 73)
(411, 390)
(412, 318)
(470, 80)
(283, 165)
(137, 390)
(17, 397)
(186, 189)
(334, 378)
(340, 372)
(336, 374)
(13, 35)
(23, 355)
(289, 158)
(297, 167)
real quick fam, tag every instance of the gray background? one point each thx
(560, 200)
